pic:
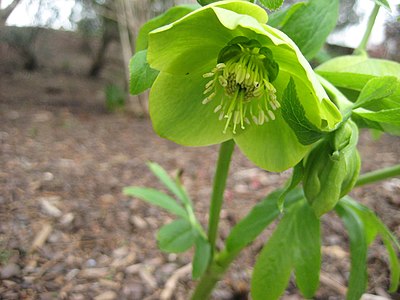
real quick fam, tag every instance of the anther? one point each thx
(207, 75)
(218, 108)
(210, 83)
(271, 115)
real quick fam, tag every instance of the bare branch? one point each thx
(6, 12)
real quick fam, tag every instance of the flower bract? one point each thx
(222, 76)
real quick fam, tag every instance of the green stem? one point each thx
(216, 268)
(221, 174)
(378, 175)
(215, 271)
(362, 48)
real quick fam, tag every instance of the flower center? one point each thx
(242, 81)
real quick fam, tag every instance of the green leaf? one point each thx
(358, 250)
(297, 176)
(294, 114)
(384, 4)
(316, 19)
(388, 116)
(307, 251)
(141, 75)
(177, 236)
(272, 4)
(389, 240)
(156, 198)
(279, 18)
(353, 72)
(262, 214)
(376, 89)
(295, 244)
(373, 226)
(163, 176)
(168, 17)
(201, 257)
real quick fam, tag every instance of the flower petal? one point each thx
(177, 112)
(272, 146)
(319, 109)
(197, 38)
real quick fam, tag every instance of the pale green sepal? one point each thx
(272, 146)
(292, 64)
(171, 15)
(197, 38)
(177, 112)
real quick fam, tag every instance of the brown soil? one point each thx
(68, 232)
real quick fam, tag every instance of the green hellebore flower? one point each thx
(222, 76)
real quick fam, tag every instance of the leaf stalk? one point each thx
(362, 48)
(378, 175)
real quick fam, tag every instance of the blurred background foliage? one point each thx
(101, 23)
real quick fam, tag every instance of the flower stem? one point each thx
(378, 175)
(221, 174)
(215, 271)
(362, 48)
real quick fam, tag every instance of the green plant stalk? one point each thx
(214, 273)
(362, 48)
(222, 260)
(378, 175)
(221, 174)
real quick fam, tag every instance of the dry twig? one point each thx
(171, 283)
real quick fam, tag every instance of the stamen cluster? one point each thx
(243, 86)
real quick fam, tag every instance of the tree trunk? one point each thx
(98, 62)
(6, 12)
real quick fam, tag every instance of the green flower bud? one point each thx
(332, 168)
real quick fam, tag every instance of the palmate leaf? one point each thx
(376, 89)
(181, 234)
(297, 176)
(309, 25)
(354, 71)
(384, 4)
(363, 226)
(173, 186)
(141, 75)
(358, 249)
(201, 256)
(177, 236)
(272, 4)
(294, 114)
(157, 198)
(388, 116)
(266, 211)
(295, 244)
